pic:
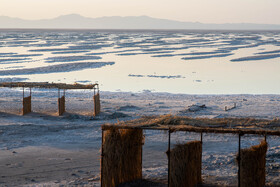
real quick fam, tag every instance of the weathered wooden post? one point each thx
(168, 154)
(96, 100)
(26, 103)
(252, 166)
(185, 164)
(61, 103)
(121, 156)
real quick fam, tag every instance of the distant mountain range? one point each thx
(75, 21)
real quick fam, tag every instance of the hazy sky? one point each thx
(206, 11)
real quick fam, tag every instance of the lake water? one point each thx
(191, 62)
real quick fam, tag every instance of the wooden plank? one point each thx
(47, 85)
(199, 125)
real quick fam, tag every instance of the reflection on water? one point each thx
(201, 62)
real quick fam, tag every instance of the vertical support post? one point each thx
(168, 153)
(201, 137)
(30, 99)
(64, 101)
(102, 154)
(23, 100)
(142, 159)
(96, 101)
(26, 102)
(239, 158)
(61, 103)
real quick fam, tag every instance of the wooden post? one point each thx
(239, 157)
(26, 103)
(252, 167)
(185, 164)
(168, 154)
(102, 154)
(96, 101)
(61, 103)
(142, 159)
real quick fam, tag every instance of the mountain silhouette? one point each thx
(75, 21)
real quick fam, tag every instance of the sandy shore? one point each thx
(44, 149)
(43, 164)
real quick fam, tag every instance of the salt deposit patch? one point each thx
(6, 54)
(71, 58)
(269, 52)
(13, 79)
(69, 52)
(144, 53)
(8, 60)
(206, 56)
(257, 57)
(56, 68)
(159, 76)
(26, 55)
(128, 108)
(89, 47)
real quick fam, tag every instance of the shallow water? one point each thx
(194, 62)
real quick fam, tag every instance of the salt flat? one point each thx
(44, 149)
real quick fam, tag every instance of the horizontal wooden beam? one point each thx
(47, 85)
(199, 125)
(198, 130)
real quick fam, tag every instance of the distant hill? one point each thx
(75, 21)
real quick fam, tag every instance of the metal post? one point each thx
(239, 157)
(102, 154)
(168, 153)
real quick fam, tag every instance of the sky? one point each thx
(204, 11)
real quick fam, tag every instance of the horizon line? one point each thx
(143, 30)
(76, 14)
